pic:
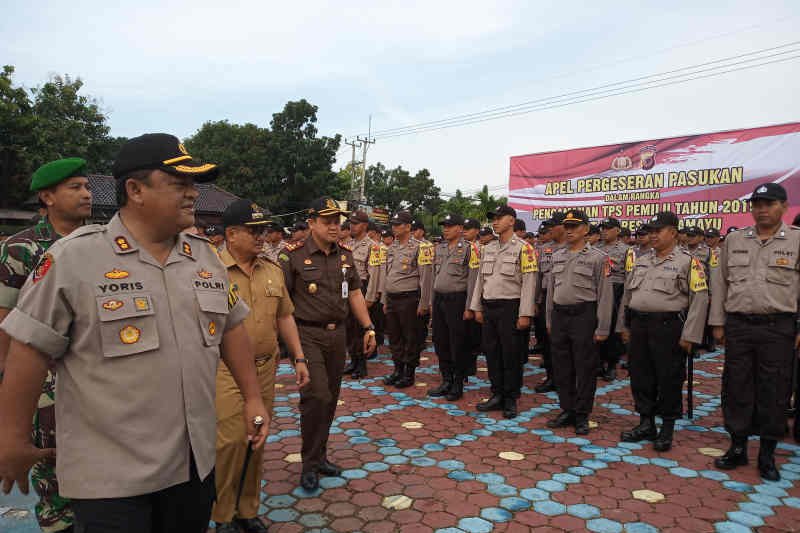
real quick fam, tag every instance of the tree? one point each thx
(487, 203)
(398, 189)
(16, 118)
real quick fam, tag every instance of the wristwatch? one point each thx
(369, 329)
(301, 360)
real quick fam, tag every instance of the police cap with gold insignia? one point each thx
(55, 172)
(502, 210)
(161, 151)
(325, 207)
(244, 213)
(575, 217)
(452, 219)
(401, 217)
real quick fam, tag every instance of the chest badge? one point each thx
(781, 261)
(112, 305)
(344, 257)
(141, 303)
(130, 335)
(312, 288)
(205, 274)
(117, 274)
(212, 328)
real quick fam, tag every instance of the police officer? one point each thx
(580, 301)
(406, 297)
(367, 260)
(503, 301)
(299, 232)
(273, 242)
(642, 240)
(134, 314)
(215, 235)
(387, 237)
(520, 228)
(471, 229)
(617, 251)
(259, 282)
(696, 245)
(753, 310)
(593, 235)
(455, 269)
(486, 235)
(662, 315)
(376, 310)
(713, 239)
(62, 188)
(325, 287)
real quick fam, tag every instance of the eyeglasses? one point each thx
(256, 231)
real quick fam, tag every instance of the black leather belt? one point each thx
(498, 303)
(574, 309)
(762, 319)
(315, 324)
(661, 315)
(449, 295)
(405, 294)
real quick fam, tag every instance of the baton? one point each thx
(690, 385)
(258, 421)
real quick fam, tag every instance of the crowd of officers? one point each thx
(155, 434)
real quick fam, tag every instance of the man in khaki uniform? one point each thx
(260, 284)
(503, 301)
(406, 297)
(367, 260)
(579, 306)
(135, 315)
(617, 251)
(754, 292)
(663, 313)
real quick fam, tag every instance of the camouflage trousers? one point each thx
(52, 511)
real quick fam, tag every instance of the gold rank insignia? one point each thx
(205, 274)
(122, 243)
(212, 328)
(630, 260)
(112, 305)
(312, 288)
(141, 303)
(187, 249)
(117, 274)
(344, 257)
(130, 334)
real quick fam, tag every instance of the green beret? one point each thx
(55, 172)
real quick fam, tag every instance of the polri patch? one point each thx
(45, 264)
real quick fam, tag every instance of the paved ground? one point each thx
(418, 464)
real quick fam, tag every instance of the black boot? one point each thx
(581, 425)
(766, 460)
(509, 408)
(495, 403)
(566, 418)
(444, 388)
(664, 440)
(348, 369)
(646, 430)
(610, 372)
(545, 386)
(735, 456)
(362, 366)
(392, 378)
(407, 379)
(456, 388)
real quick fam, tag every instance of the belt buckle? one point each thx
(330, 326)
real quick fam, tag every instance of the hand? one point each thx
(524, 322)
(479, 317)
(719, 334)
(16, 459)
(385, 308)
(600, 338)
(370, 304)
(797, 342)
(301, 374)
(626, 336)
(422, 311)
(369, 342)
(469, 315)
(256, 435)
(685, 345)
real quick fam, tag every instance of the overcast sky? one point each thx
(170, 66)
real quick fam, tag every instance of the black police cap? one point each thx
(502, 210)
(471, 223)
(768, 191)
(575, 217)
(244, 213)
(452, 219)
(663, 219)
(161, 151)
(610, 222)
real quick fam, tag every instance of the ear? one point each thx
(134, 189)
(46, 197)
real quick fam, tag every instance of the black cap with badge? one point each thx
(694, 231)
(502, 210)
(768, 191)
(452, 219)
(401, 217)
(712, 233)
(486, 230)
(610, 222)
(663, 219)
(417, 224)
(325, 207)
(161, 151)
(359, 217)
(574, 218)
(471, 223)
(244, 213)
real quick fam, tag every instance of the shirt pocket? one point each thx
(780, 274)
(487, 264)
(738, 267)
(127, 324)
(583, 276)
(665, 282)
(636, 280)
(212, 315)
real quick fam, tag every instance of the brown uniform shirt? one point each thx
(265, 293)
(455, 269)
(409, 267)
(136, 347)
(319, 283)
(507, 272)
(617, 252)
(754, 277)
(676, 282)
(366, 255)
(582, 276)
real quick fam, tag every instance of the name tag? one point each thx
(345, 286)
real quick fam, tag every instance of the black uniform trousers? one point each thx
(404, 327)
(542, 338)
(657, 364)
(611, 349)
(355, 335)
(502, 343)
(575, 355)
(379, 321)
(757, 375)
(450, 339)
(324, 349)
(183, 507)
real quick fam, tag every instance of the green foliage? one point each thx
(398, 189)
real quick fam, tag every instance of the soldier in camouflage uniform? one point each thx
(63, 191)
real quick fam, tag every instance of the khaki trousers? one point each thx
(232, 444)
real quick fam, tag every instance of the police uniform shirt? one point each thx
(674, 283)
(315, 280)
(408, 268)
(271, 251)
(582, 276)
(754, 277)
(366, 257)
(617, 252)
(507, 272)
(545, 259)
(455, 269)
(136, 348)
(701, 252)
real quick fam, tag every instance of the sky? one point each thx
(159, 67)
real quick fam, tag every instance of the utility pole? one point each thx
(353, 145)
(365, 145)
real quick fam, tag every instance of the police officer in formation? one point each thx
(617, 251)
(406, 297)
(503, 301)
(471, 229)
(580, 302)
(753, 312)
(662, 316)
(696, 245)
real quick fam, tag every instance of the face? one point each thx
(471, 234)
(521, 233)
(767, 213)
(358, 228)
(575, 233)
(325, 229)
(401, 230)
(545, 236)
(165, 201)
(419, 234)
(643, 239)
(388, 240)
(694, 240)
(374, 235)
(486, 238)
(609, 234)
(712, 242)
(662, 238)
(70, 199)
(451, 233)
(557, 232)
(593, 238)
(502, 223)
(247, 241)
(344, 233)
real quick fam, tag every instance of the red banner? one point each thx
(705, 179)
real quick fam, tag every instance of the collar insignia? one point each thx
(122, 243)
(187, 249)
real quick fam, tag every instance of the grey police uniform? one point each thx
(611, 350)
(366, 259)
(545, 252)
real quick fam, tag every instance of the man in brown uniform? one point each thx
(503, 301)
(367, 258)
(663, 313)
(579, 306)
(753, 310)
(260, 284)
(322, 280)
(611, 350)
(135, 314)
(406, 297)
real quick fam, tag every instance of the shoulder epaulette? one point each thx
(346, 246)
(197, 236)
(291, 247)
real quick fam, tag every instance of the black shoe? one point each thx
(610, 373)
(348, 369)
(646, 430)
(663, 442)
(309, 481)
(538, 348)
(374, 353)
(495, 403)
(252, 525)
(566, 418)
(545, 386)
(509, 408)
(766, 460)
(581, 425)
(796, 430)
(456, 391)
(227, 527)
(392, 378)
(444, 388)
(735, 456)
(407, 379)
(362, 367)
(327, 468)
